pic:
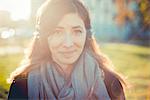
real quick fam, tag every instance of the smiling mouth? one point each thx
(68, 53)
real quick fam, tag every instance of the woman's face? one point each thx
(67, 42)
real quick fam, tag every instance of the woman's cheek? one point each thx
(80, 41)
(55, 41)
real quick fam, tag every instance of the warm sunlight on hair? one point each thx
(19, 9)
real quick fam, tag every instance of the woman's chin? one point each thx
(69, 60)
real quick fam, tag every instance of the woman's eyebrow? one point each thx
(77, 27)
(73, 27)
(59, 27)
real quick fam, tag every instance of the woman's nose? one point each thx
(68, 40)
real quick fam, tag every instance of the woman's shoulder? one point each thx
(18, 88)
(20, 81)
(114, 86)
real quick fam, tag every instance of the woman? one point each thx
(64, 60)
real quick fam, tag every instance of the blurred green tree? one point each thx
(144, 6)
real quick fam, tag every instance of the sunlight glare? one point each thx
(19, 9)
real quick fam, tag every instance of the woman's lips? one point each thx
(68, 53)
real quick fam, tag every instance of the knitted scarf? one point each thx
(85, 82)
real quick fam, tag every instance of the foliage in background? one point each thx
(144, 6)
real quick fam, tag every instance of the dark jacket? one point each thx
(19, 88)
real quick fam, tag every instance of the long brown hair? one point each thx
(48, 16)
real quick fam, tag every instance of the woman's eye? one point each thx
(58, 32)
(77, 32)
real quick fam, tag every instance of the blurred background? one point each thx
(121, 27)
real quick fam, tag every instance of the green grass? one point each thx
(130, 60)
(134, 63)
(8, 63)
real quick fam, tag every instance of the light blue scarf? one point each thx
(85, 83)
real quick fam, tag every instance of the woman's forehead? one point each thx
(71, 20)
